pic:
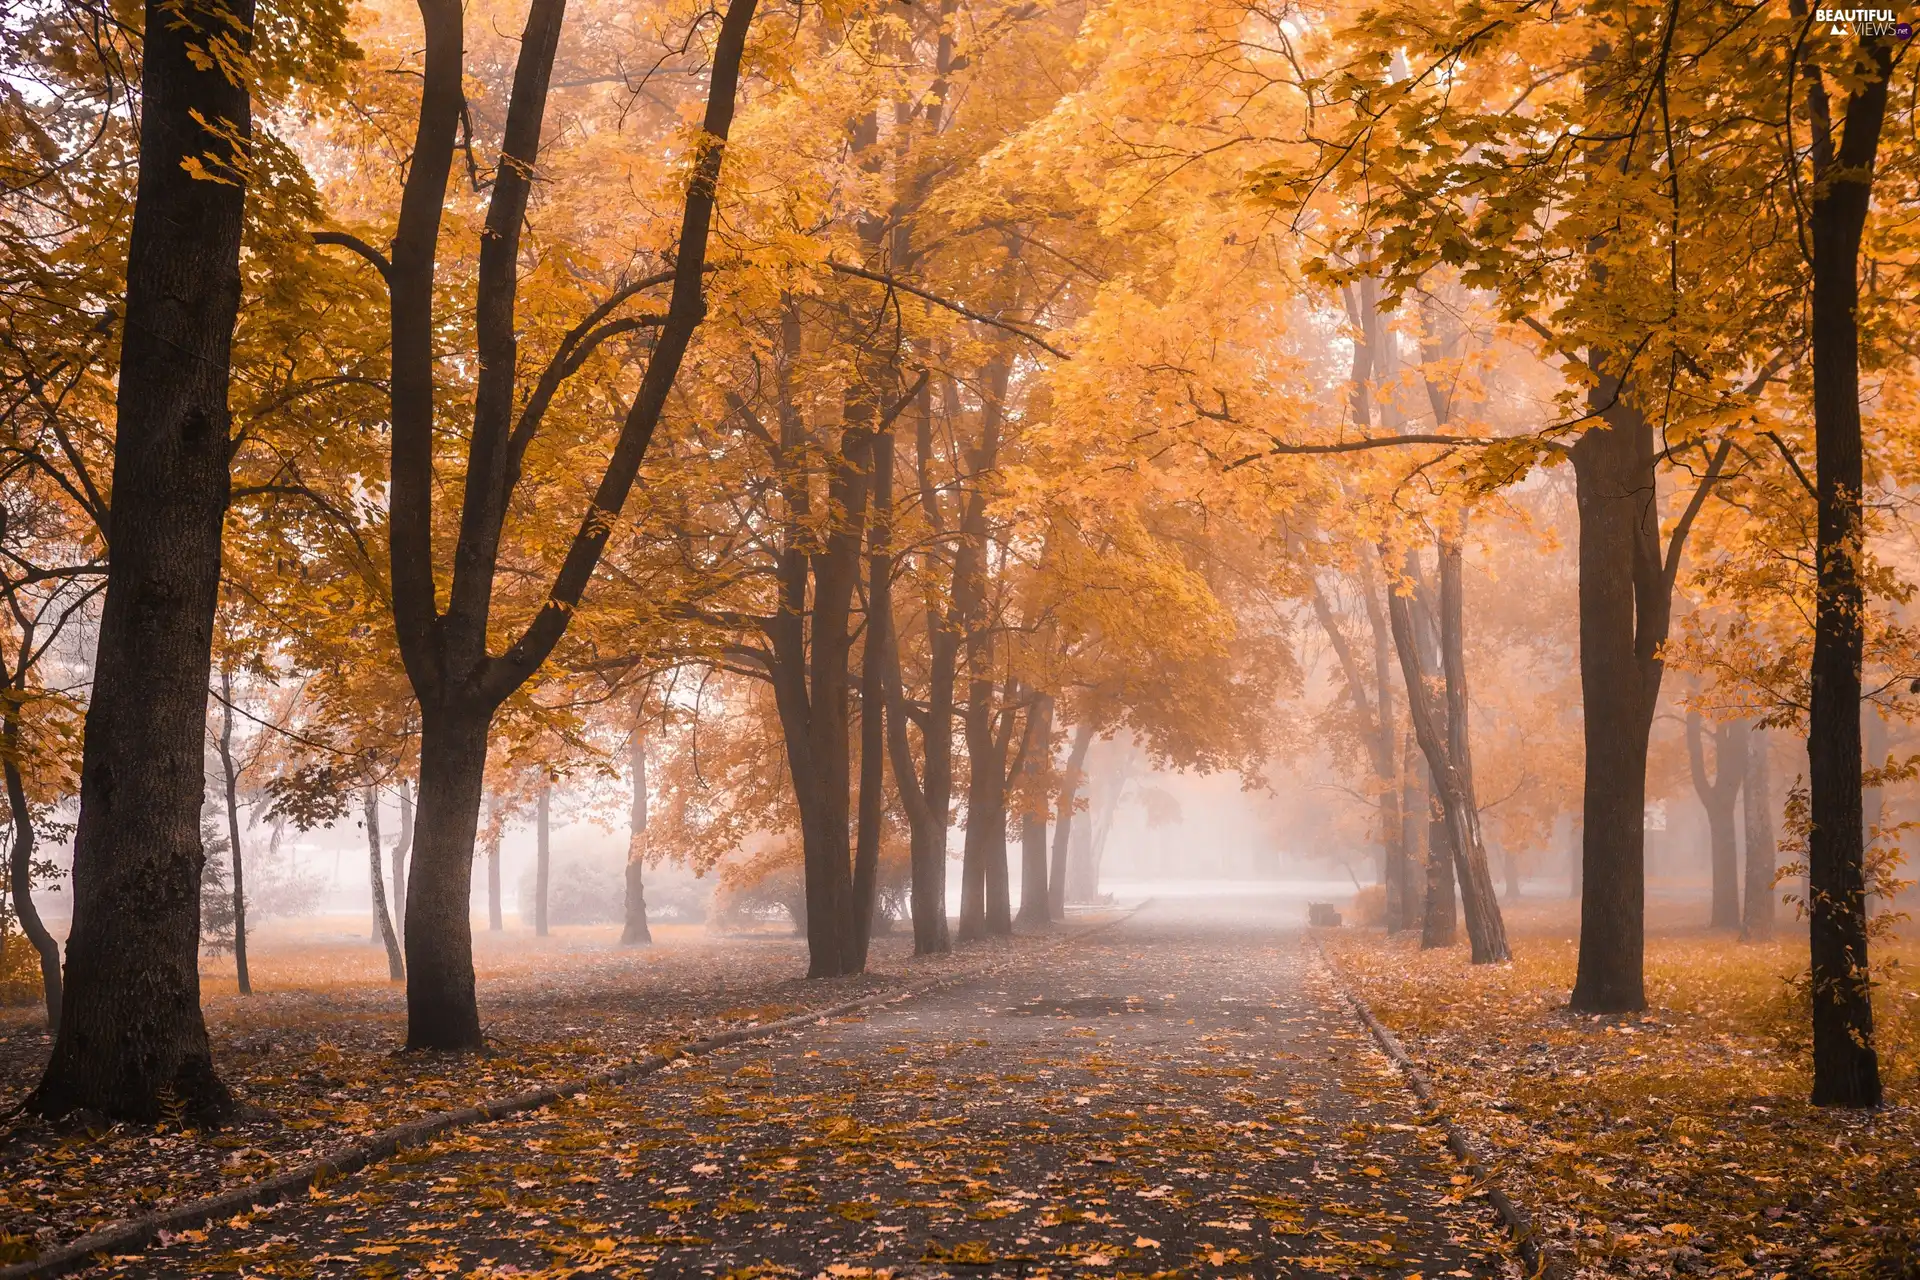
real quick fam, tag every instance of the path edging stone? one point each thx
(1539, 1261)
(134, 1234)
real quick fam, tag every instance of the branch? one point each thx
(1792, 462)
(893, 283)
(1281, 447)
(1678, 541)
(361, 247)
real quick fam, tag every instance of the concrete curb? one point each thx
(1533, 1254)
(136, 1234)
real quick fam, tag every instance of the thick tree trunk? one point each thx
(1718, 795)
(441, 1012)
(1036, 754)
(1762, 851)
(396, 967)
(1063, 821)
(635, 932)
(131, 1031)
(20, 874)
(1846, 1069)
(1621, 627)
(542, 856)
(230, 779)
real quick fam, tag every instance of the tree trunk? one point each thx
(1070, 784)
(396, 967)
(1448, 760)
(496, 918)
(1873, 799)
(1717, 795)
(1036, 754)
(1621, 628)
(1414, 806)
(875, 654)
(441, 1012)
(401, 851)
(635, 931)
(131, 1032)
(230, 778)
(1439, 915)
(1762, 850)
(542, 856)
(20, 873)
(1486, 929)
(1846, 1069)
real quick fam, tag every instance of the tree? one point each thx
(1846, 1070)
(383, 920)
(459, 682)
(131, 1031)
(1718, 795)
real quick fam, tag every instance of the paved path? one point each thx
(1180, 1095)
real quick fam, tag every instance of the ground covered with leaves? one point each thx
(1679, 1142)
(1162, 1098)
(314, 1051)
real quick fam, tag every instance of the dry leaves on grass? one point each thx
(1678, 1142)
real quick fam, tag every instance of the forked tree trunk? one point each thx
(1063, 822)
(1718, 795)
(1033, 814)
(131, 1032)
(1762, 850)
(634, 932)
(542, 856)
(230, 778)
(370, 805)
(1846, 1068)
(458, 681)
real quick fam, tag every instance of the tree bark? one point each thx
(230, 779)
(1846, 1069)
(1623, 620)
(131, 1032)
(542, 856)
(1070, 784)
(635, 931)
(1718, 795)
(1035, 754)
(441, 1012)
(1761, 848)
(396, 966)
(1439, 912)
(984, 857)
